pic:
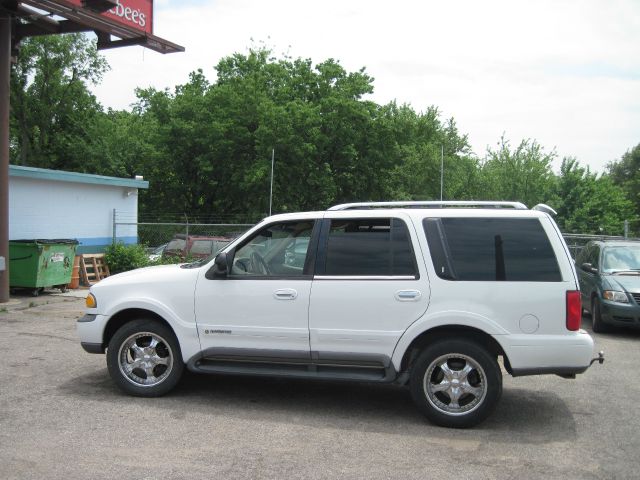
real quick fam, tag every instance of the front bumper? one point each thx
(92, 347)
(620, 314)
(90, 329)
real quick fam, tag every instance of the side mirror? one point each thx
(587, 267)
(220, 268)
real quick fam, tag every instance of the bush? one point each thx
(121, 257)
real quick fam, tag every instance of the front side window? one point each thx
(594, 256)
(278, 250)
(369, 247)
(491, 249)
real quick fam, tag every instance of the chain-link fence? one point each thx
(155, 230)
(160, 229)
(576, 241)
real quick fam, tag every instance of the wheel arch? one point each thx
(452, 332)
(127, 315)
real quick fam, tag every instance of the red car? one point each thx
(183, 247)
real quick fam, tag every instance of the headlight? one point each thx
(90, 301)
(613, 296)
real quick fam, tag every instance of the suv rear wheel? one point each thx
(144, 358)
(456, 383)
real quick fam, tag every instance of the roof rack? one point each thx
(429, 204)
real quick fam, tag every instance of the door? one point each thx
(588, 279)
(260, 309)
(366, 291)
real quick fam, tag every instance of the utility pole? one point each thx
(441, 170)
(273, 154)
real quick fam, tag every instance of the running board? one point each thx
(318, 371)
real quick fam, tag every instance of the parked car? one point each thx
(609, 273)
(183, 247)
(411, 293)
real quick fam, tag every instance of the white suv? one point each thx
(424, 294)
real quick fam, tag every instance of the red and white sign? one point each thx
(137, 14)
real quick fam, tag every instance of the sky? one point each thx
(563, 72)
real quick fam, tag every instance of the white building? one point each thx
(50, 204)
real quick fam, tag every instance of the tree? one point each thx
(53, 114)
(523, 174)
(626, 174)
(588, 203)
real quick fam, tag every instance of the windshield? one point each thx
(621, 259)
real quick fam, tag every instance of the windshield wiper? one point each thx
(633, 271)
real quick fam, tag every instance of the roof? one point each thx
(623, 242)
(74, 177)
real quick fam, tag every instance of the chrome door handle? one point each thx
(408, 295)
(285, 294)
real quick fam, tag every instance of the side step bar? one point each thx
(356, 373)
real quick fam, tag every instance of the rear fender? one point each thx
(444, 319)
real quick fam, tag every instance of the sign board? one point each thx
(136, 14)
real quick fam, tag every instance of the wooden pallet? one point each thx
(93, 268)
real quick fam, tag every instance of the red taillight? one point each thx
(574, 310)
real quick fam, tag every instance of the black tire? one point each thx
(144, 358)
(597, 324)
(478, 390)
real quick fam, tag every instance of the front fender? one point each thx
(183, 325)
(443, 319)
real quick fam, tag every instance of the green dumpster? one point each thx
(36, 264)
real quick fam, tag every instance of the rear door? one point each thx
(367, 289)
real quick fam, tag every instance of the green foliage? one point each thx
(122, 258)
(523, 174)
(589, 203)
(626, 174)
(206, 146)
(54, 117)
(212, 143)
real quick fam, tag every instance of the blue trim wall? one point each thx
(98, 244)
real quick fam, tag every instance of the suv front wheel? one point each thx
(144, 358)
(456, 383)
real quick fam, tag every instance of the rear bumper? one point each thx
(566, 355)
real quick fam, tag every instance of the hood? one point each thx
(628, 283)
(143, 275)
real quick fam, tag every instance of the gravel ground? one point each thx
(61, 417)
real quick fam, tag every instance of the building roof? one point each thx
(61, 176)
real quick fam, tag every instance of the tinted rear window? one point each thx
(490, 249)
(369, 247)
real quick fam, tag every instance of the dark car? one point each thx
(609, 273)
(183, 247)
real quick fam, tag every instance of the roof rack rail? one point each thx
(429, 204)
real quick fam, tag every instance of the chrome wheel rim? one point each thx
(455, 384)
(145, 359)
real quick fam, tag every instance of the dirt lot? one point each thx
(61, 417)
